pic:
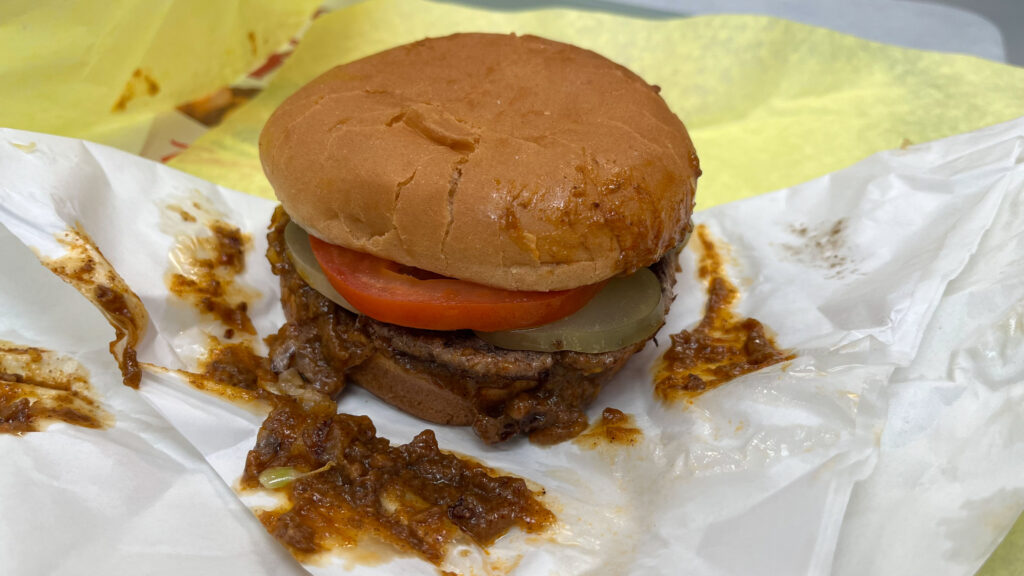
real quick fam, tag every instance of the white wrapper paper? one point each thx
(897, 281)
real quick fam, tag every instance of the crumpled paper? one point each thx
(769, 103)
(755, 477)
(947, 485)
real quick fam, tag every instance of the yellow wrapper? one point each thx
(100, 69)
(769, 103)
(1008, 559)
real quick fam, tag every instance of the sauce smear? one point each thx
(207, 266)
(85, 268)
(39, 386)
(231, 371)
(722, 346)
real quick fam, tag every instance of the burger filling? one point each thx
(540, 389)
(596, 318)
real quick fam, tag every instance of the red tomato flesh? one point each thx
(396, 294)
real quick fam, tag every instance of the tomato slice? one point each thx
(396, 294)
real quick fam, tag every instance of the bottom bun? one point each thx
(413, 392)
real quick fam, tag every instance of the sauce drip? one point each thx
(615, 428)
(232, 371)
(39, 386)
(85, 268)
(722, 346)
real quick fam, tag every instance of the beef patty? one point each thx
(500, 392)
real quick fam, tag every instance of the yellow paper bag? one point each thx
(100, 69)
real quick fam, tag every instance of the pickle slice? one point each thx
(627, 310)
(297, 241)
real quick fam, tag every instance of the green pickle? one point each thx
(627, 310)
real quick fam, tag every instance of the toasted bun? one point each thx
(511, 161)
(412, 391)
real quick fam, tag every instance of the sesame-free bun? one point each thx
(511, 161)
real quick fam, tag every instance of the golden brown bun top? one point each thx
(511, 161)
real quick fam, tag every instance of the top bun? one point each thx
(510, 161)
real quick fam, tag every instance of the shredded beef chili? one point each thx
(511, 392)
(351, 483)
(414, 496)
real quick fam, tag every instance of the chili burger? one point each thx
(480, 229)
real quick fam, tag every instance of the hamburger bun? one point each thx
(413, 392)
(509, 161)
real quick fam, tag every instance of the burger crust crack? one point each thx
(603, 171)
